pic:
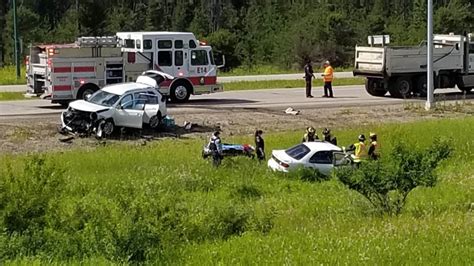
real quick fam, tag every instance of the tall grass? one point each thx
(8, 76)
(163, 204)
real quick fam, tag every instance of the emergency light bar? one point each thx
(105, 41)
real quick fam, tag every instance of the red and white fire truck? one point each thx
(65, 72)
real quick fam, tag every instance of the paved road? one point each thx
(21, 88)
(275, 99)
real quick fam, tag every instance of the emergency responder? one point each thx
(373, 147)
(308, 76)
(310, 135)
(327, 136)
(259, 145)
(215, 145)
(360, 149)
(328, 76)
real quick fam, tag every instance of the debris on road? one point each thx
(291, 111)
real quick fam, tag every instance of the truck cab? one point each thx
(178, 54)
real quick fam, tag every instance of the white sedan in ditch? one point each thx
(318, 155)
(132, 105)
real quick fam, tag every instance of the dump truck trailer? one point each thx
(401, 70)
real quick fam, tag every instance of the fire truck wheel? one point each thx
(86, 90)
(180, 92)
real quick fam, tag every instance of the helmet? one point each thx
(361, 137)
(373, 136)
(327, 62)
(326, 131)
(216, 133)
(311, 130)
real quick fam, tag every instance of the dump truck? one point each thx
(401, 70)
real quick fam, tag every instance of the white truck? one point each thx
(65, 72)
(401, 71)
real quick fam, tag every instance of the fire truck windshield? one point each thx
(104, 98)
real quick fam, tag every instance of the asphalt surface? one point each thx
(269, 99)
(21, 88)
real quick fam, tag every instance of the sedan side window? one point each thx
(127, 102)
(322, 157)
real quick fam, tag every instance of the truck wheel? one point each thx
(86, 90)
(375, 87)
(421, 89)
(465, 89)
(180, 92)
(401, 88)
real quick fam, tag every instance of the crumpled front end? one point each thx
(79, 122)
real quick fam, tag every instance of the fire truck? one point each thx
(65, 72)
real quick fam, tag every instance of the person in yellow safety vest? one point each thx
(360, 149)
(328, 77)
(373, 147)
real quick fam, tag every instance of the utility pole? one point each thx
(16, 40)
(430, 73)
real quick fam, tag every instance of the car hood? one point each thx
(82, 105)
(282, 156)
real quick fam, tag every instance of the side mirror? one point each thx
(87, 97)
(220, 60)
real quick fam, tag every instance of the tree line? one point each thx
(249, 32)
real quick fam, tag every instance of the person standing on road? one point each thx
(328, 77)
(259, 145)
(308, 76)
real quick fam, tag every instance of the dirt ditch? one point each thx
(38, 134)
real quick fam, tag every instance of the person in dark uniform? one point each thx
(259, 145)
(373, 147)
(310, 135)
(215, 145)
(308, 76)
(328, 137)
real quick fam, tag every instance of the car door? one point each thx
(129, 112)
(322, 161)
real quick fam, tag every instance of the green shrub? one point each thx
(386, 184)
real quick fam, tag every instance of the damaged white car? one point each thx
(131, 105)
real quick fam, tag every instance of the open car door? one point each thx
(342, 159)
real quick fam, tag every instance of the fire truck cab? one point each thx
(178, 54)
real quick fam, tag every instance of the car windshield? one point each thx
(298, 152)
(104, 98)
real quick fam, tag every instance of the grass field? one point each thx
(273, 84)
(162, 204)
(241, 85)
(271, 70)
(10, 96)
(8, 76)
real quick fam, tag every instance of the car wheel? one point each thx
(108, 127)
(155, 121)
